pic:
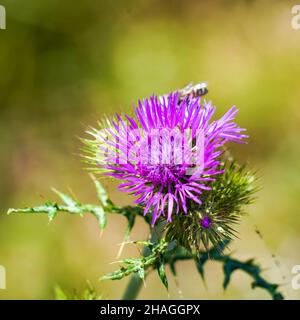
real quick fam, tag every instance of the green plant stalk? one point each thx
(133, 288)
(135, 283)
(159, 247)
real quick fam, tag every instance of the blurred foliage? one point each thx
(87, 294)
(64, 65)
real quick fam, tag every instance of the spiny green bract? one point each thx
(221, 209)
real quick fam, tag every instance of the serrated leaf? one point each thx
(173, 268)
(200, 268)
(52, 213)
(101, 192)
(141, 273)
(227, 275)
(66, 198)
(162, 273)
(101, 216)
(131, 220)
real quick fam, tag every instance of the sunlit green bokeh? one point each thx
(65, 64)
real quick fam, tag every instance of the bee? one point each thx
(194, 91)
(197, 90)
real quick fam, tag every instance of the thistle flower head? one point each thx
(215, 219)
(166, 154)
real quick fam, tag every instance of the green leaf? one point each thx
(101, 192)
(134, 265)
(173, 268)
(101, 216)
(162, 272)
(70, 205)
(70, 202)
(199, 265)
(52, 213)
(49, 208)
(141, 273)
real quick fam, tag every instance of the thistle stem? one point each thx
(133, 288)
(135, 283)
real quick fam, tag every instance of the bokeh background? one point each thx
(65, 64)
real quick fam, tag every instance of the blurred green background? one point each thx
(65, 64)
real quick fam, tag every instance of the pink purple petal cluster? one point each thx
(168, 152)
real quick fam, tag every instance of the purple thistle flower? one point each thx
(167, 153)
(206, 222)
